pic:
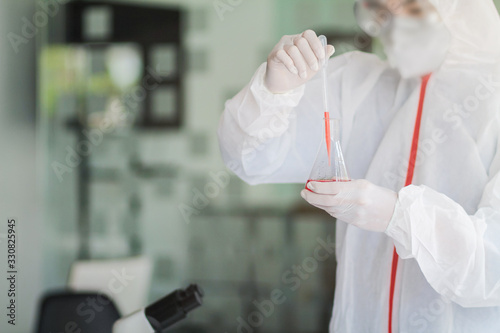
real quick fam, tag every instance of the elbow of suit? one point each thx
(473, 289)
(235, 163)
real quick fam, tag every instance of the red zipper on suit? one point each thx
(409, 180)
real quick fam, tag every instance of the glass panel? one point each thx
(164, 103)
(97, 23)
(164, 59)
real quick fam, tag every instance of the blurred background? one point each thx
(110, 163)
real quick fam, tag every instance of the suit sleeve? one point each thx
(459, 254)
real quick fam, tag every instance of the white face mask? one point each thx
(416, 47)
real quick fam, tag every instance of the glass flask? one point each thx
(329, 165)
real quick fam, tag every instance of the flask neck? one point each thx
(332, 126)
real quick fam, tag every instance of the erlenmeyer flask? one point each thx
(329, 165)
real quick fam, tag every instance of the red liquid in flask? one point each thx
(325, 181)
(329, 165)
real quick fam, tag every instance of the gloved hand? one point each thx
(357, 202)
(294, 61)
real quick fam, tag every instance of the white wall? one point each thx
(18, 165)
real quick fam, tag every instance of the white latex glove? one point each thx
(357, 202)
(294, 61)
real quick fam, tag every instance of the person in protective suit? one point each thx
(418, 227)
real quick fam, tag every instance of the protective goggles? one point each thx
(375, 17)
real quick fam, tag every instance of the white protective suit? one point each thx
(446, 227)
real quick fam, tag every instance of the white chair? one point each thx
(126, 281)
